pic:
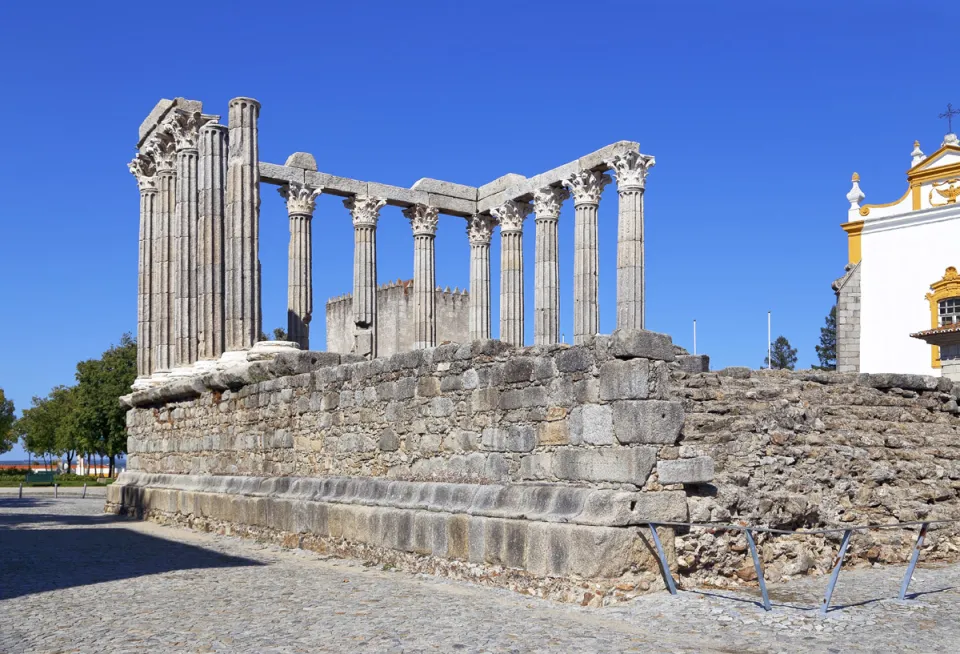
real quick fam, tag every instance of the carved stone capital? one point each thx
(511, 214)
(144, 169)
(301, 199)
(423, 219)
(631, 169)
(587, 186)
(185, 128)
(364, 209)
(162, 149)
(480, 228)
(548, 201)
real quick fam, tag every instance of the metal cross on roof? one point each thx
(949, 114)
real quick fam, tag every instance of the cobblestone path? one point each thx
(75, 580)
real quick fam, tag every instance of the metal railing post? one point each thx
(913, 560)
(756, 564)
(84, 491)
(836, 572)
(55, 495)
(667, 577)
(20, 496)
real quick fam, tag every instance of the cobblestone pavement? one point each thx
(75, 580)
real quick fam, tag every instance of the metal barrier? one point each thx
(836, 565)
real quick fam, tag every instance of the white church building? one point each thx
(899, 298)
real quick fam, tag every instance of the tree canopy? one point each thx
(7, 435)
(782, 355)
(827, 350)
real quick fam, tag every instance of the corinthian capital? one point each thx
(301, 199)
(480, 228)
(511, 214)
(161, 148)
(364, 209)
(548, 201)
(185, 127)
(144, 169)
(631, 169)
(423, 219)
(586, 186)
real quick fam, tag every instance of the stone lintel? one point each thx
(523, 190)
(440, 187)
(499, 184)
(161, 111)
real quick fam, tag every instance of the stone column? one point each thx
(631, 170)
(210, 255)
(301, 202)
(510, 216)
(161, 149)
(184, 127)
(586, 187)
(423, 220)
(242, 228)
(546, 309)
(365, 211)
(479, 230)
(144, 169)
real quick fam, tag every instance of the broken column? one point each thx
(210, 230)
(631, 170)
(301, 202)
(547, 203)
(586, 187)
(510, 216)
(144, 169)
(479, 230)
(184, 128)
(365, 211)
(423, 219)
(242, 228)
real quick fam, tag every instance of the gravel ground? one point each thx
(75, 580)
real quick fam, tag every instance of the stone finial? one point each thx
(548, 201)
(185, 127)
(302, 160)
(855, 196)
(144, 169)
(480, 228)
(511, 214)
(950, 139)
(364, 209)
(587, 186)
(301, 199)
(423, 219)
(631, 169)
(917, 154)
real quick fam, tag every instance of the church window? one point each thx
(949, 311)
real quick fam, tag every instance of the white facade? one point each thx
(902, 247)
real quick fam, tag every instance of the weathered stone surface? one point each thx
(625, 380)
(634, 343)
(693, 363)
(698, 470)
(655, 421)
(303, 160)
(615, 464)
(592, 424)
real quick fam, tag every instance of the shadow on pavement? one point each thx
(40, 560)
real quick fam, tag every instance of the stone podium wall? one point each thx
(539, 459)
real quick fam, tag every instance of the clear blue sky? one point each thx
(758, 113)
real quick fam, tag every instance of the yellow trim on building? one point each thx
(915, 188)
(923, 172)
(865, 209)
(853, 240)
(947, 287)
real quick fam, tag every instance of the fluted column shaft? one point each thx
(511, 215)
(163, 256)
(586, 187)
(301, 202)
(143, 167)
(365, 212)
(479, 231)
(631, 171)
(185, 257)
(210, 264)
(242, 228)
(546, 311)
(423, 220)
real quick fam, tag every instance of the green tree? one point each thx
(101, 421)
(48, 428)
(279, 334)
(7, 435)
(784, 357)
(827, 350)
